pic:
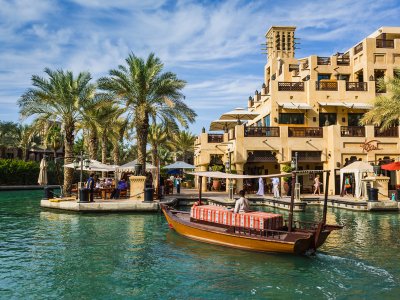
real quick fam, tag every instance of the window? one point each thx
(354, 119)
(291, 118)
(326, 119)
(259, 124)
(344, 77)
(324, 77)
(267, 120)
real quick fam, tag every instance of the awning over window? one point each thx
(348, 105)
(294, 105)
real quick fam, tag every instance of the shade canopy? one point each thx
(94, 165)
(130, 166)
(42, 180)
(222, 124)
(351, 105)
(394, 166)
(179, 165)
(358, 168)
(294, 105)
(239, 114)
(235, 176)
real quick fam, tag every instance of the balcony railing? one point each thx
(316, 132)
(326, 85)
(290, 86)
(343, 61)
(357, 86)
(358, 48)
(352, 131)
(215, 138)
(390, 132)
(323, 60)
(384, 43)
(261, 131)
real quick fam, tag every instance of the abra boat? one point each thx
(255, 231)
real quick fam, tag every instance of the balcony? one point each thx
(357, 86)
(384, 43)
(326, 85)
(261, 131)
(343, 61)
(352, 131)
(315, 132)
(323, 60)
(390, 132)
(215, 138)
(358, 48)
(291, 86)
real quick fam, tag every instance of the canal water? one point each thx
(47, 254)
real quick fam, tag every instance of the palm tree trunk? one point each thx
(25, 153)
(69, 152)
(154, 155)
(116, 153)
(93, 144)
(142, 132)
(104, 151)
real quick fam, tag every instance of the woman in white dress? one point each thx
(260, 187)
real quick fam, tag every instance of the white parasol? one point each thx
(42, 180)
(94, 165)
(222, 124)
(239, 114)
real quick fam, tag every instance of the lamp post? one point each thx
(228, 168)
(294, 163)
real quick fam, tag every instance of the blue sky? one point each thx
(213, 45)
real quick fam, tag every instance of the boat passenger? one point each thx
(242, 205)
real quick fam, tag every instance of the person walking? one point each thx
(317, 185)
(275, 187)
(178, 184)
(260, 191)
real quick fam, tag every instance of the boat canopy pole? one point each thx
(291, 203)
(325, 198)
(200, 187)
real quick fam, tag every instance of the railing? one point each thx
(306, 132)
(343, 61)
(358, 48)
(261, 131)
(352, 131)
(326, 85)
(290, 86)
(215, 138)
(356, 86)
(390, 132)
(323, 60)
(384, 43)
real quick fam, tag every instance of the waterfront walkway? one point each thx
(189, 196)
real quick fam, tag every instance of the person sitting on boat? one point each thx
(242, 205)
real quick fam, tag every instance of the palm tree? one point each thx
(8, 136)
(148, 93)
(184, 144)
(386, 111)
(59, 98)
(26, 139)
(54, 139)
(117, 136)
(157, 136)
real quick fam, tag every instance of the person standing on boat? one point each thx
(275, 187)
(242, 205)
(260, 187)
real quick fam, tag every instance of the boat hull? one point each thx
(194, 232)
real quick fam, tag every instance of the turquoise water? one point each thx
(45, 254)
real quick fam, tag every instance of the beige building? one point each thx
(310, 107)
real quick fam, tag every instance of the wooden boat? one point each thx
(291, 237)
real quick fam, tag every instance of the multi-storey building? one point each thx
(310, 108)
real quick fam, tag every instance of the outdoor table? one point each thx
(106, 192)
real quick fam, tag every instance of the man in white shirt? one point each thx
(242, 205)
(275, 187)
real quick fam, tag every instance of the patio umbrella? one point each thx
(179, 165)
(130, 167)
(394, 166)
(239, 114)
(94, 165)
(42, 180)
(222, 124)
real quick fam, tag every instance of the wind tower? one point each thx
(280, 42)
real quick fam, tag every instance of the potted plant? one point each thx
(286, 169)
(216, 182)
